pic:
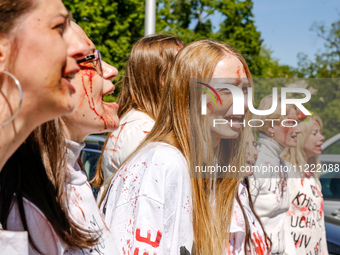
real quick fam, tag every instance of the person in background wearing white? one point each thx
(305, 225)
(247, 235)
(268, 187)
(140, 98)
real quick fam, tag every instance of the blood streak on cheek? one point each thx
(90, 98)
(238, 74)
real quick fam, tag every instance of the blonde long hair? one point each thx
(179, 117)
(296, 156)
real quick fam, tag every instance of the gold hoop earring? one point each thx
(20, 102)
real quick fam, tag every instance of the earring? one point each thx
(20, 102)
(272, 134)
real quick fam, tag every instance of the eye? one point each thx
(61, 25)
(223, 91)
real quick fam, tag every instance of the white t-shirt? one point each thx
(269, 192)
(305, 225)
(148, 206)
(42, 233)
(133, 128)
(82, 206)
(258, 243)
(14, 242)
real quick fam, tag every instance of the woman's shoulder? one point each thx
(136, 115)
(163, 153)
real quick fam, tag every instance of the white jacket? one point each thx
(82, 206)
(133, 128)
(269, 192)
(148, 205)
(305, 225)
(258, 243)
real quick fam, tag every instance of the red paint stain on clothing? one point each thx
(108, 149)
(76, 193)
(146, 132)
(297, 243)
(147, 239)
(120, 131)
(258, 241)
(136, 252)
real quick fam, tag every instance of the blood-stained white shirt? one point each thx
(305, 225)
(148, 206)
(41, 231)
(269, 191)
(133, 128)
(82, 206)
(258, 244)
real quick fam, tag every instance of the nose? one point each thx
(322, 137)
(109, 72)
(297, 129)
(77, 47)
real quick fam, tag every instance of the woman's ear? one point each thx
(5, 47)
(270, 131)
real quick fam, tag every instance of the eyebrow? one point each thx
(68, 17)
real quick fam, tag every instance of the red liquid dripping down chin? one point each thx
(90, 99)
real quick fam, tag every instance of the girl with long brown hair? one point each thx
(43, 189)
(145, 72)
(151, 205)
(305, 224)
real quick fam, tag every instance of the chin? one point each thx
(66, 106)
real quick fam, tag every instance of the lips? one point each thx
(234, 120)
(109, 91)
(67, 76)
(110, 104)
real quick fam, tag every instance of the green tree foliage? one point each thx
(325, 102)
(115, 25)
(191, 20)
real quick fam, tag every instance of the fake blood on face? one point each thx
(89, 74)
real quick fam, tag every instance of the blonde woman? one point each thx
(304, 225)
(151, 205)
(268, 185)
(145, 72)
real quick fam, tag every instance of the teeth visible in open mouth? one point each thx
(69, 77)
